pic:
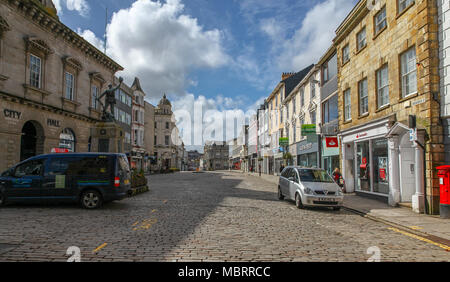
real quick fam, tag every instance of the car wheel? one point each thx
(91, 199)
(298, 201)
(336, 208)
(280, 196)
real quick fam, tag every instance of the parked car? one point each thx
(88, 178)
(309, 187)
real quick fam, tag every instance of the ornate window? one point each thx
(37, 52)
(71, 67)
(96, 81)
(4, 27)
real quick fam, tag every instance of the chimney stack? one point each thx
(286, 75)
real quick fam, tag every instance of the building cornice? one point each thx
(40, 16)
(275, 91)
(353, 18)
(327, 55)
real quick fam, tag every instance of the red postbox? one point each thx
(444, 184)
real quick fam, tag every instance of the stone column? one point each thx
(418, 199)
(394, 171)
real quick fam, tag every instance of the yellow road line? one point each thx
(445, 247)
(154, 211)
(415, 227)
(134, 224)
(100, 247)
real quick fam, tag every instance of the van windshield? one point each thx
(314, 175)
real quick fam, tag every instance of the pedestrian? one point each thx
(259, 168)
(281, 168)
(337, 176)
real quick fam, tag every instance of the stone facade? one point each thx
(37, 107)
(216, 155)
(412, 29)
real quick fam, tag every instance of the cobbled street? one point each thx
(220, 216)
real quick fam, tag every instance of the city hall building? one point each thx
(50, 78)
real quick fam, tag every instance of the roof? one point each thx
(292, 81)
(137, 85)
(164, 101)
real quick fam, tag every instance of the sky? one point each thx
(221, 56)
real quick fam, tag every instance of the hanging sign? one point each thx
(332, 142)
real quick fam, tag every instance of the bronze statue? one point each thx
(110, 101)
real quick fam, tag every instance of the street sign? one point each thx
(284, 141)
(413, 135)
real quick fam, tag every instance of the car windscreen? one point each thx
(314, 175)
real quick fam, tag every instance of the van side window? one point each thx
(79, 166)
(123, 164)
(31, 168)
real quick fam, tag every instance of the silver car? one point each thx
(309, 187)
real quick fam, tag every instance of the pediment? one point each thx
(41, 45)
(72, 62)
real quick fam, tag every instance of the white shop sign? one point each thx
(365, 134)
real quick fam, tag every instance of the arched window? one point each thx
(67, 140)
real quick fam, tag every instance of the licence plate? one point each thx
(327, 200)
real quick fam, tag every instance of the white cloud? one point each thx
(315, 35)
(81, 6)
(160, 45)
(92, 38)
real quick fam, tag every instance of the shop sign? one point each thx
(284, 141)
(53, 122)
(413, 135)
(361, 135)
(305, 147)
(332, 142)
(308, 129)
(12, 114)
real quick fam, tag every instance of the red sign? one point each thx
(332, 142)
(60, 150)
(383, 174)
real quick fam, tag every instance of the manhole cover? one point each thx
(4, 248)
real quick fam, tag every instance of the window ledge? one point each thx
(382, 108)
(3, 77)
(360, 50)
(347, 121)
(379, 32)
(410, 96)
(405, 10)
(363, 115)
(65, 100)
(39, 90)
(344, 63)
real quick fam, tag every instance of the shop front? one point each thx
(386, 162)
(330, 153)
(308, 152)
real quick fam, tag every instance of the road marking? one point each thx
(146, 224)
(136, 223)
(100, 247)
(415, 227)
(445, 247)
(154, 211)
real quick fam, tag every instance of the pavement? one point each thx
(211, 216)
(400, 217)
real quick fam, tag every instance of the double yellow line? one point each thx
(445, 247)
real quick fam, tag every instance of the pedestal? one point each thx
(107, 137)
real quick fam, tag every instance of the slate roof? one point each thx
(294, 80)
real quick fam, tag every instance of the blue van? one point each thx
(90, 179)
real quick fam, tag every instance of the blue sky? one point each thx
(225, 54)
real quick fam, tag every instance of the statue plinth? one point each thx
(107, 137)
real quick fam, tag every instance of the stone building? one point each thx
(388, 85)
(123, 113)
(215, 155)
(194, 158)
(49, 76)
(263, 138)
(137, 126)
(165, 147)
(149, 137)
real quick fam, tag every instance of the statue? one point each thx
(110, 101)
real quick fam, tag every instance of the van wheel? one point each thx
(2, 200)
(280, 196)
(298, 201)
(91, 199)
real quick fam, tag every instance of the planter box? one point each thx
(138, 190)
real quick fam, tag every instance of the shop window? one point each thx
(67, 140)
(380, 166)
(363, 166)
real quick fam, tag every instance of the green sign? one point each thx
(284, 141)
(308, 129)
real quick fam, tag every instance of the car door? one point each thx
(25, 183)
(293, 184)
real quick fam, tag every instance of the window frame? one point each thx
(346, 47)
(72, 88)
(31, 71)
(375, 18)
(347, 106)
(402, 86)
(378, 88)
(358, 47)
(366, 97)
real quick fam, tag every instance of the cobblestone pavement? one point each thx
(202, 217)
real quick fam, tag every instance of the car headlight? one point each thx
(308, 191)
